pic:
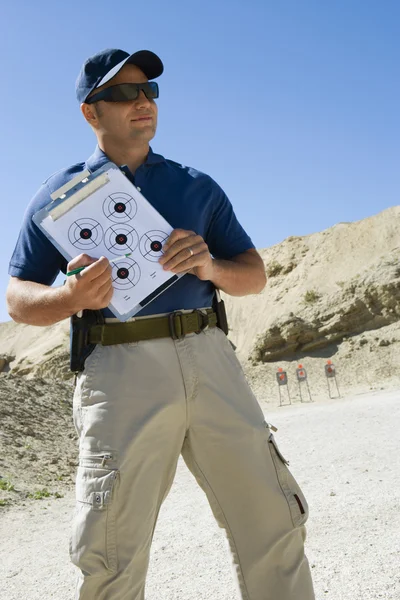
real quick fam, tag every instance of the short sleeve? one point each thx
(225, 236)
(34, 257)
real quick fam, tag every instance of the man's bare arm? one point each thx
(37, 304)
(242, 275)
(187, 252)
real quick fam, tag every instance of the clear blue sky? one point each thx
(292, 106)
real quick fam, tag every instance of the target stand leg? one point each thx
(280, 396)
(309, 391)
(301, 397)
(337, 387)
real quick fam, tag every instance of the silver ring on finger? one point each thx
(191, 252)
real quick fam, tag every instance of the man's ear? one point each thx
(90, 114)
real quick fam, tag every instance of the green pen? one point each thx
(113, 260)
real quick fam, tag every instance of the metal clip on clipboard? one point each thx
(76, 190)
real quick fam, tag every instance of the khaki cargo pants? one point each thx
(137, 407)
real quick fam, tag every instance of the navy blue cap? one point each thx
(104, 65)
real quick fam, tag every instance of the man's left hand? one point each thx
(187, 252)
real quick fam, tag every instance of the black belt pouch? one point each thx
(80, 348)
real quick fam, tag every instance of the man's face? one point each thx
(124, 122)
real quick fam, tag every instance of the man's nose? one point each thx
(142, 100)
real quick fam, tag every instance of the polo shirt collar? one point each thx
(99, 158)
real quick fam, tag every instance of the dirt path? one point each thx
(346, 456)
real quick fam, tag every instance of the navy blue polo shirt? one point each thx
(186, 198)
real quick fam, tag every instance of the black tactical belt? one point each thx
(176, 325)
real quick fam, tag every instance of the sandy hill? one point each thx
(343, 280)
(35, 351)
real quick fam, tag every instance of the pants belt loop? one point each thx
(172, 325)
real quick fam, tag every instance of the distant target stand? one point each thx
(302, 380)
(330, 373)
(282, 379)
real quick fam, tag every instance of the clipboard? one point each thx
(104, 214)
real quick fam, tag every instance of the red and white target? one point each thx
(125, 274)
(120, 207)
(151, 244)
(121, 239)
(85, 234)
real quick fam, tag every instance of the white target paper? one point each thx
(112, 221)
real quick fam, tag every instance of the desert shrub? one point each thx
(289, 267)
(40, 494)
(44, 493)
(6, 485)
(311, 296)
(274, 268)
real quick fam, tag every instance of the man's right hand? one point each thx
(91, 288)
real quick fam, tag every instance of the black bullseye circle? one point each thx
(121, 239)
(156, 246)
(85, 234)
(126, 275)
(122, 273)
(119, 207)
(151, 244)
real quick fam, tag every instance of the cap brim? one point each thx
(147, 61)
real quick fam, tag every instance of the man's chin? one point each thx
(145, 134)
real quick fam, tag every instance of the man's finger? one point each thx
(95, 269)
(177, 234)
(188, 258)
(83, 260)
(106, 290)
(192, 263)
(181, 245)
(103, 278)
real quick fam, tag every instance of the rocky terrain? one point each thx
(37, 438)
(333, 295)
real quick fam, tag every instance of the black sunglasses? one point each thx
(125, 92)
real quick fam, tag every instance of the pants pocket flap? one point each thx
(94, 486)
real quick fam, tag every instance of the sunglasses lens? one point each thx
(150, 89)
(130, 91)
(122, 92)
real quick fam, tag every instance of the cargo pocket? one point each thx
(294, 496)
(93, 544)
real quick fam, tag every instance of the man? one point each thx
(139, 405)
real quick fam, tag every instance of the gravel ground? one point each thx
(346, 456)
